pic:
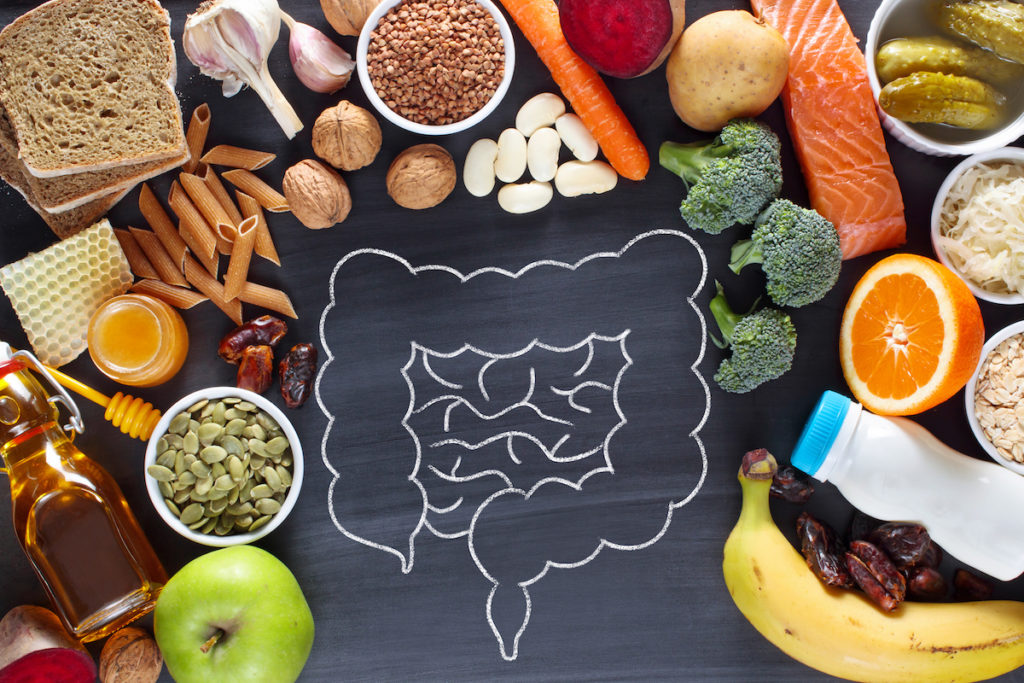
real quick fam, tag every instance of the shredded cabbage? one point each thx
(982, 226)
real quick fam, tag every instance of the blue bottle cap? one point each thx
(820, 432)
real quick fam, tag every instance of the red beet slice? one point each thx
(52, 665)
(621, 38)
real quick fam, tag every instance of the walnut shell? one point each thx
(317, 194)
(347, 16)
(421, 176)
(346, 136)
(130, 656)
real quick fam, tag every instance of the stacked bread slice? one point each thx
(87, 105)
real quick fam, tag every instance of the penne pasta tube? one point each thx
(169, 272)
(205, 201)
(137, 261)
(211, 263)
(216, 188)
(241, 256)
(195, 136)
(237, 157)
(179, 297)
(264, 242)
(269, 198)
(268, 298)
(201, 280)
(200, 237)
(161, 224)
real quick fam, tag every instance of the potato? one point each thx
(727, 64)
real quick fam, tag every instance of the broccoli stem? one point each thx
(743, 254)
(689, 160)
(724, 317)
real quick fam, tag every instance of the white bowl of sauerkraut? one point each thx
(978, 224)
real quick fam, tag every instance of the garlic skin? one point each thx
(319, 63)
(230, 40)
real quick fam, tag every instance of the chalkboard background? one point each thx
(660, 611)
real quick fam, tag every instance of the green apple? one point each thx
(234, 614)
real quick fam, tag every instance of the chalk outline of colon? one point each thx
(508, 435)
(407, 564)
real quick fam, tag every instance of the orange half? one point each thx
(911, 336)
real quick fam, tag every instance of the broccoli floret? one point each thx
(798, 249)
(762, 343)
(729, 179)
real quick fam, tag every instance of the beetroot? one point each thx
(622, 38)
(52, 665)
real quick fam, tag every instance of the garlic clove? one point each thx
(319, 63)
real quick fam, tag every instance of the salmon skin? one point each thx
(832, 119)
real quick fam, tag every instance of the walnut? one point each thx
(317, 194)
(421, 176)
(346, 136)
(347, 16)
(130, 656)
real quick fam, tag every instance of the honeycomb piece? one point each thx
(56, 291)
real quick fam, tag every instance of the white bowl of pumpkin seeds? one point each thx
(223, 466)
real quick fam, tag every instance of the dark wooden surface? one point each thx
(659, 612)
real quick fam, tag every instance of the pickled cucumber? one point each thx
(994, 24)
(929, 97)
(903, 56)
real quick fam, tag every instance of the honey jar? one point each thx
(137, 340)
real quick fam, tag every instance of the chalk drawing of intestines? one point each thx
(502, 422)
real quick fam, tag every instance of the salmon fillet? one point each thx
(831, 117)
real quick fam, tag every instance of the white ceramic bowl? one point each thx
(297, 466)
(1006, 153)
(424, 129)
(994, 341)
(934, 140)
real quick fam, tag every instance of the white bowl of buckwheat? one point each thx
(435, 71)
(994, 397)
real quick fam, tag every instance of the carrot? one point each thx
(587, 93)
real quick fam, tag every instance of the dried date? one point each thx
(926, 583)
(265, 330)
(297, 370)
(970, 586)
(907, 545)
(932, 556)
(876, 575)
(820, 548)
(789, 484)
(862, 525)
(256, 369)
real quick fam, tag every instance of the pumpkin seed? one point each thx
(181, 496)
(174, 441)
(166, 459)
(207, 411)
(200, 469)
(284, 475)
(235, 468)
(243, 522)
(239, 509)
(272, 478)
(178, 424)
(262, 491)
(192, 514)
(166, 490)
(204, 485)
(195, 526)
(262, 521)
(208, 526)
(232, 445)
(246, 406)
(218, 470)
(268, 506)
(208, 433)
(277, 445)
(190, 443)
(172, 507)
(198, 405)
(234, 427)
(217, 507)
(161, 444)
(212, 454)
(231, 400)
(224, 482)
(161, 473)
(188, 478)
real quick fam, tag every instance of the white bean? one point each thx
(539, 111)
(478, 171)
(510, 163)
(576, 137)
(525, 197)
(585, 177)
(542, 154)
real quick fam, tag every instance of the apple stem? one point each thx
(205, 647)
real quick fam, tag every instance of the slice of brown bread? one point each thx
(57, 195)
(88, 85)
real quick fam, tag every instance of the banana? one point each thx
(841, 633)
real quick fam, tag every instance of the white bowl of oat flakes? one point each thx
(435, 68)
(994, 397)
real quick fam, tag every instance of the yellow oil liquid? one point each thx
(78, 532)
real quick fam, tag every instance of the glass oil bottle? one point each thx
(70, 516)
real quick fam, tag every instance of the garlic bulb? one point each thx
(321, 65)
(230, 40)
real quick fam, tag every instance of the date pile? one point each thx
(888, 561)
(250, 346)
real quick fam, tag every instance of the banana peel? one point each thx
(843, 634)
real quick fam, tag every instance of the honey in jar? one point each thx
(70, 516)
(138, 340)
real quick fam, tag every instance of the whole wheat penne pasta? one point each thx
(237, 157)
(241, 256)
(179, 297)
(161, 224)
(200, 237)
(137, 261)
(268, 298)
(195, 136)
(169, 272)
(204, 200)
(264, 242)
(216, 187)
(269, 198)
(202, 281)
(211, 263)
